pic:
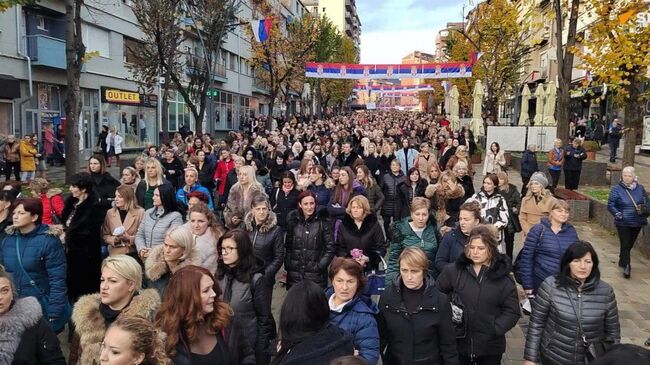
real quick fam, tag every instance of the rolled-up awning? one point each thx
(9, 87)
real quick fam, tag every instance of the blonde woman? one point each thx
(371, 159)
(130, 177)
(537, 203)
(122, 222)
(207, 229)
(460, 155)
(177, 251)
(303, 177)
(424, 160)
(241, 195)
(154, 177)
(386, 157)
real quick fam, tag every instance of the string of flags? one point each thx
(393, 88)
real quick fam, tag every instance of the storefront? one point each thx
(9, 90)
(134, 115)
(231, 110)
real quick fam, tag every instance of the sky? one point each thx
(391, 29)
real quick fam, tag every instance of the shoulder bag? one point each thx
(643, 209)
(58, 323)
(593, 349)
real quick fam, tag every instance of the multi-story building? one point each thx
(33, 74)
(443, 37)
(342, 13)
(416, 57)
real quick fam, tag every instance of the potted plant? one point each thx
(477, 157)
(591, 147)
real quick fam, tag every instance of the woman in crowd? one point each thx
(122, 222)
(262, 176)
(481, 280)
(495, 160)
(572, 306)
(390, 181)
(285, 198)
(154, 178)
(454, 242)
(278, 168)
(573, 156)
(318, 176)
(433, 175)
(555, 162)
(332, 158)
(346, 188)
(309, 242)
(419, 230)
(335, 175)
(40, 270)
(133, 340)
(51, 199)
(157, 220)
(120, 294)
(206, 167)
(267, 237)
(537, 202)
(446, 198)
(114, 146)
(207, 229)
(7, 199)
(241, 277)
(513, 200)
(424, 161)
(361, 230)
(415, 324)
(28, 154)
(386, 158)
(544, 246)
(412, 187)
(199, 324)
(373, 190)
(177, 251)
(130, 178)
(26, 336)
(372, 161)
(105, 184)
(191, 185)
(460, 156)
(494, 209)
(173, 168)
(306, 336)
(464, 179)
(303, 178)
(625, 203)
(241, 195)
(350, 310)
(82, 220)
(138, 165)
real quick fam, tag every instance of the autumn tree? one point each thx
(6, 4)
(279, 61)
(338, 91)
(328, 43)
(617, 53)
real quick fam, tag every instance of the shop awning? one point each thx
(9, 87)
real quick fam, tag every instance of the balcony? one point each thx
(46, 51)
(259, 87)
(349, 5)
(195, 64)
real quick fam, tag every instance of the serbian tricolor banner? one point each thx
(396, 95)
(444, 70)
(261, 29)
(393, 88)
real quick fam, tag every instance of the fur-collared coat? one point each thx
(26, 337)
(445, 203)
(239, 204)
(206, 247)
(268, 243)
(156, 270)
(90, 325)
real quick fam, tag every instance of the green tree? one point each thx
(338, 91)
(6, 4)
(328, 43)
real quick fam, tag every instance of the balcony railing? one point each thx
(46, 51)
(195, 64)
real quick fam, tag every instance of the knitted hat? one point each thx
(539, 177)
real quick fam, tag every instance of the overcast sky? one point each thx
(391, 29)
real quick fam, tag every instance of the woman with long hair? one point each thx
(245, 289)
(386, 157)
(138, 165)
(571, 310)
(285, 198)
(105, 184)
(391, 210)
(303, 179)
(133, 340)
(207, 229)
(130, 178)
(412, 187)
(346, 188)
(120, 294)
(372, 161)
(446, 197)
(433, 175)
(157, 220)
(494, 208)
(306, 336)
(153, 179)
(464, 179)
(513, 199)
(495, 160)
(460, 155)
(261, 224)
(373, 190)
(318, 176)
(241, 195)
(122, 222)
(199, 325)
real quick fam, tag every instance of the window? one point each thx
(234, 65)
(543, 60)
(41, 23)
(131, 47)
(97, 40)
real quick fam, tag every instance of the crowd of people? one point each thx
(371, 221)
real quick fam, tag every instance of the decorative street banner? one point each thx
(393, 88)
(396, 95)
(406, 71)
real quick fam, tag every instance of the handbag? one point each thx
(458, 311)
(58, 324)
(642, 210)
(376, 279)
(55, 218)
(593, 349)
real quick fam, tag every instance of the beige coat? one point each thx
(131, 224)
(532, 212)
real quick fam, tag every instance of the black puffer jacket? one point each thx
(423, 337)
(268, 242)
(319, 349)
(309, 247)
(553, 331)
(251, 302)
(283, 203)
(405, 195)
(389, 187)
(490, 300)
(513, 199)
(369, 238)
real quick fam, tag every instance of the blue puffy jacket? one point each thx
(44, 260)
(323, 194)
(542, 252)
(622, 208)
(181, 195)
(451, 248)
(358, 318)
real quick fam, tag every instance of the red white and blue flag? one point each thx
(261, 29)
(441, 70)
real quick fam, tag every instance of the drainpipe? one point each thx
(22, 54)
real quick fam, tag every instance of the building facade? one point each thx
(342, 13)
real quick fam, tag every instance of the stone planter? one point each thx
(599, 214)
(578, 203)
(508, 157)
(591, 155)
(477, 158)
(593, 173)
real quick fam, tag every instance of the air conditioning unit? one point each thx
(546, 34)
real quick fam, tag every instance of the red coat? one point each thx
(52, 200)
(223, 168)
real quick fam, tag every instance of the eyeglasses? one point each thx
(227, 250)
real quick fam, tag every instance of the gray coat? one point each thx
(153, 228)
(553, 331)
